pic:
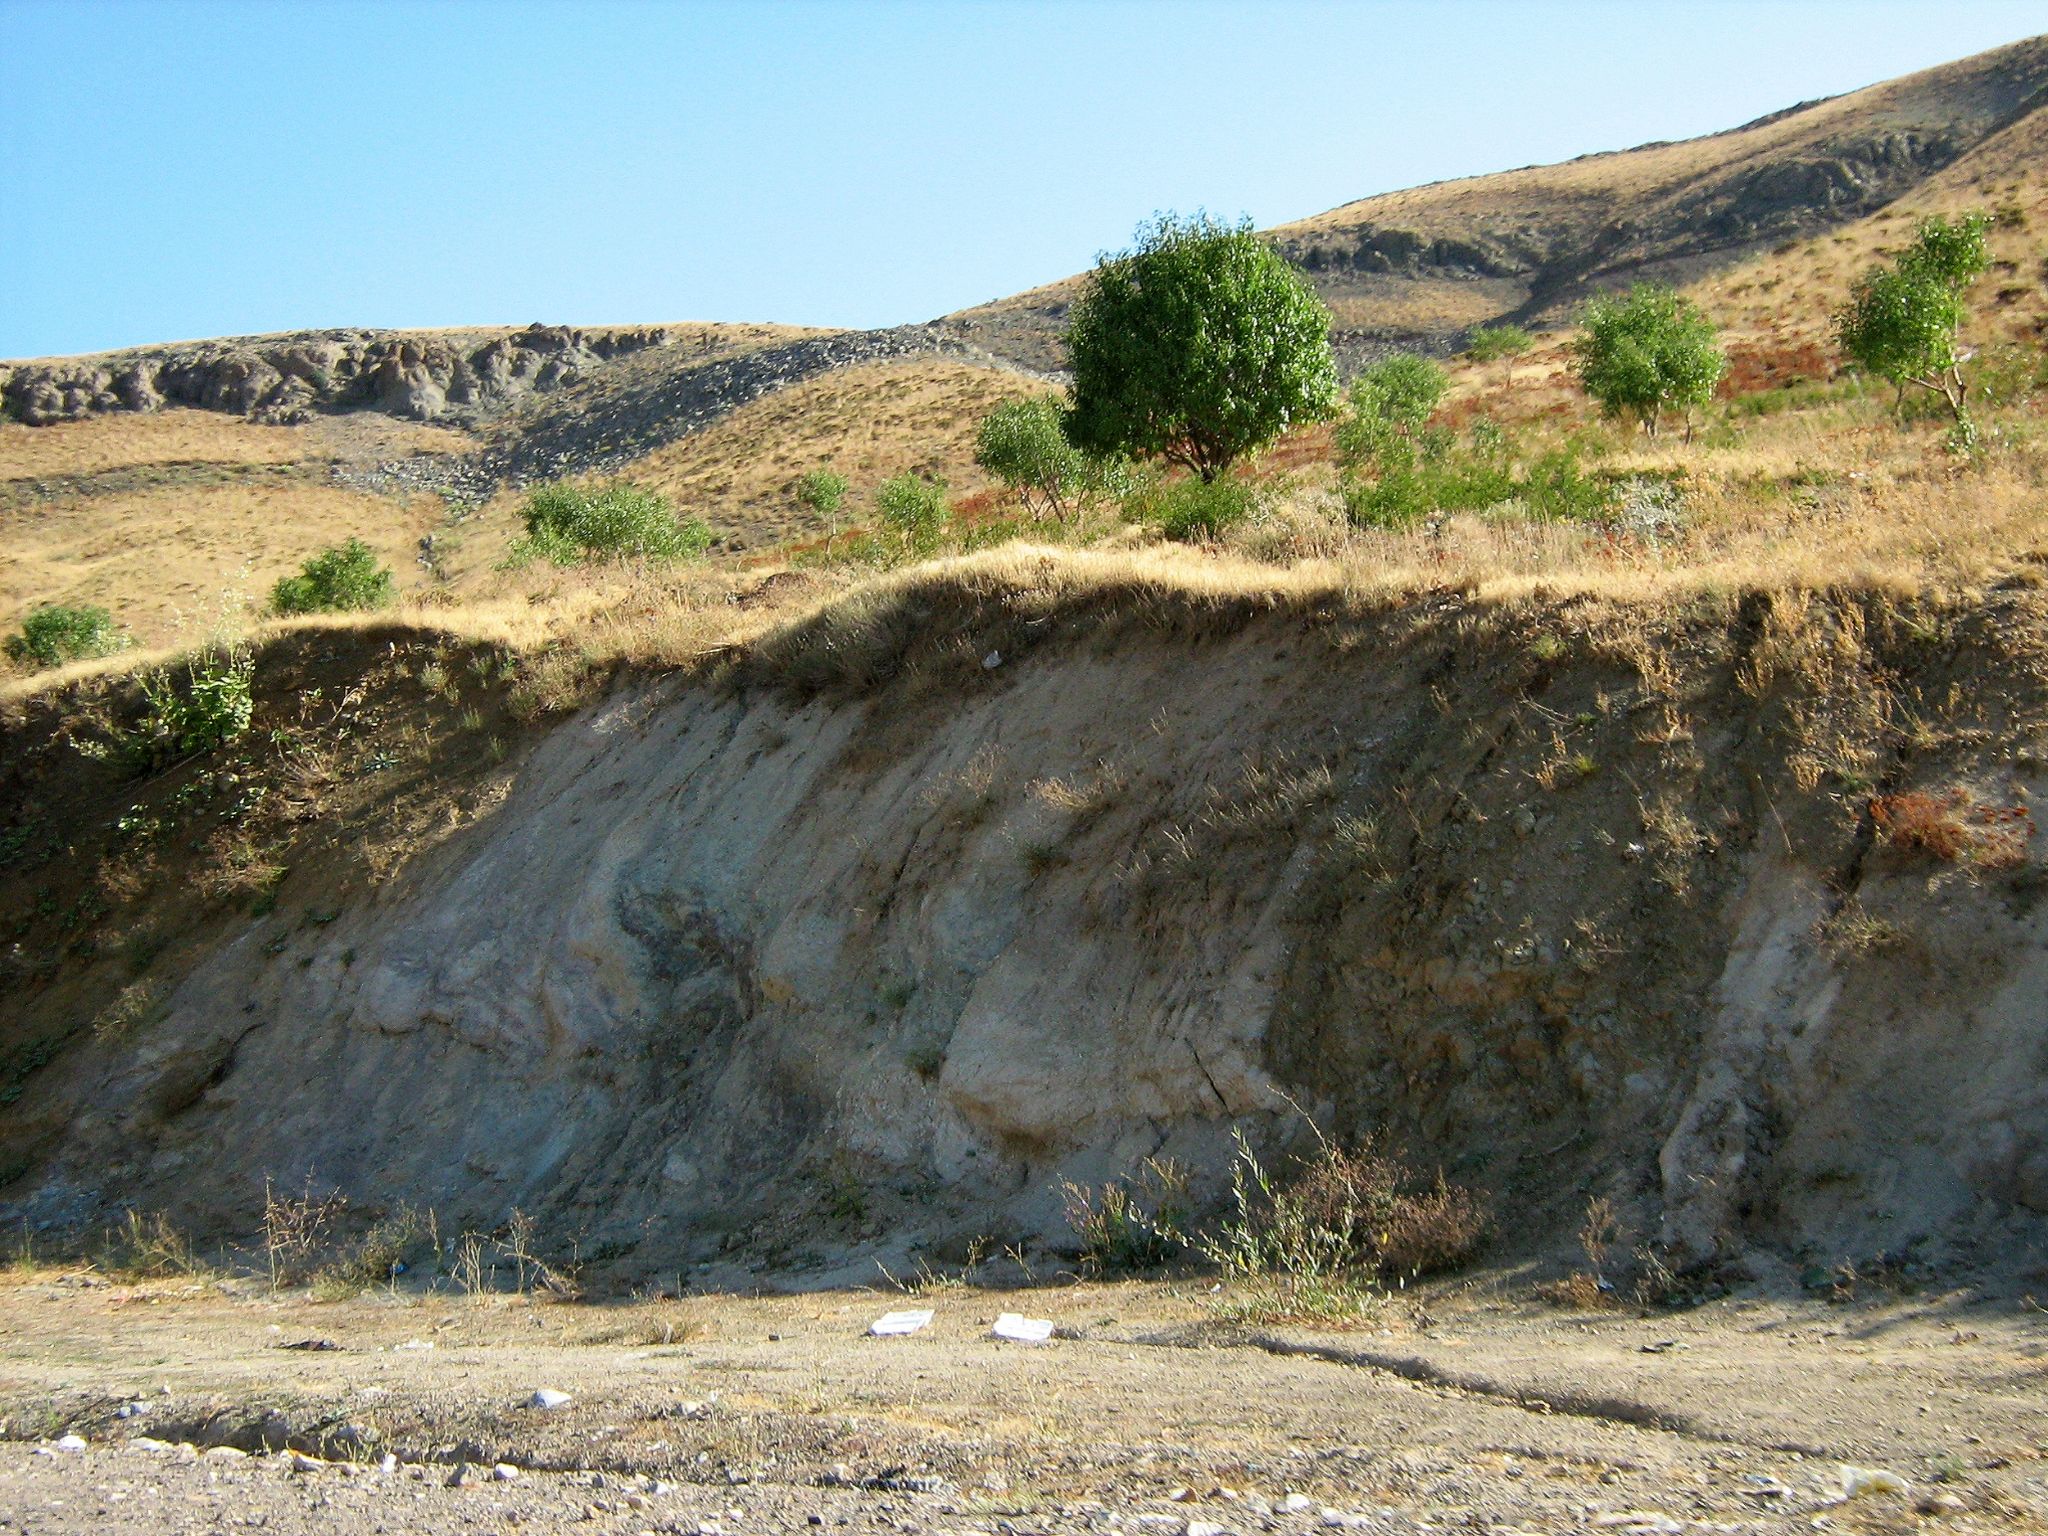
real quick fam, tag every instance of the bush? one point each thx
(1124, 1225)
(54, 634)
(1022, 443)
(1494, 343)
(822, 491)
(1341, 1213)
(1390, 403)
(210, 707)
(1901, 321)
(567, 524)
(1193, 511)
(914, 509)
(342, 578)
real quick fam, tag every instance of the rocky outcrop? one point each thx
(422, 376)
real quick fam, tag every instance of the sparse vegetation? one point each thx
(1022, 444)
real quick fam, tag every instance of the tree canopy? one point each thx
(1197, 346)
(1649, 352)
(1901, 320)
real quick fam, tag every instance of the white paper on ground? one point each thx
(1025, 1330)
(892, 1323)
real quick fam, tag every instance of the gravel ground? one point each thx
(1144, 1416)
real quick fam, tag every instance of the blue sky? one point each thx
(180, 170)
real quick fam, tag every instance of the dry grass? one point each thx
(869, 423)
(159, 557)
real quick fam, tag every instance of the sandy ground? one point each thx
(1145, 1414)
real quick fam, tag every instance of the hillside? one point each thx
(1420, 267)
(1633, 833)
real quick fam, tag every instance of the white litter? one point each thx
(548, 1397)
(892, 1324)
(70, 1443)
(991, 661)
(1639, 1520)
(1860, 1480)
(1025, 1330)
(413, 1344)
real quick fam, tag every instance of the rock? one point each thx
(505, 1472)
(131, 1410)
(226, 1453)
(1857, 1481)
(548, 1399)
(69, 1444)
(1297, 1503)
(1204, 1528)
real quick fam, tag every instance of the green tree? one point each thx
(53, 634)
(1390, 403)
(341, 578)
(1647, 353)
(823, 492)
(1901, 321)
(1199, 345)
(1498, 344)
(1022, 444)
(915, 509)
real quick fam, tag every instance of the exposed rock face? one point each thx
(283, 379)
(720, 952)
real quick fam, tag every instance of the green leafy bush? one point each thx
(822, 491)
(1390, 404)
(1495, 343)
(914, 509)
(1022, 443)
(210, 706)
(54, 634)
(1192, 511)
(567, 524)
(341, 578)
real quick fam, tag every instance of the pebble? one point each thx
(1296, 1503)
(505, 1472)
(226, 1453)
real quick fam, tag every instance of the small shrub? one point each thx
(914, 509)
(1955, 826)
(54, 634)
(148, 1247)
(210, 706)
(822, 491)
(1389, 404)
(567, 524)
(1343, 1211)
(340, 579)
(1128, 1225)
(1193, 511)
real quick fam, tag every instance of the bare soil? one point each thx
(1146, 1413)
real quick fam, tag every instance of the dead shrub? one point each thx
(1955, 826)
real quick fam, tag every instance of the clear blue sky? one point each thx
(179, 170)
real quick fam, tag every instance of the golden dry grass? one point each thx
(159, 558)
(869, 423)
(164, 437)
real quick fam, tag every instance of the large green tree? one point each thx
(1647, 353)
(1197, 346)
(1901, 320)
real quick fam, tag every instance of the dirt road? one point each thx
(1145, 1414)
